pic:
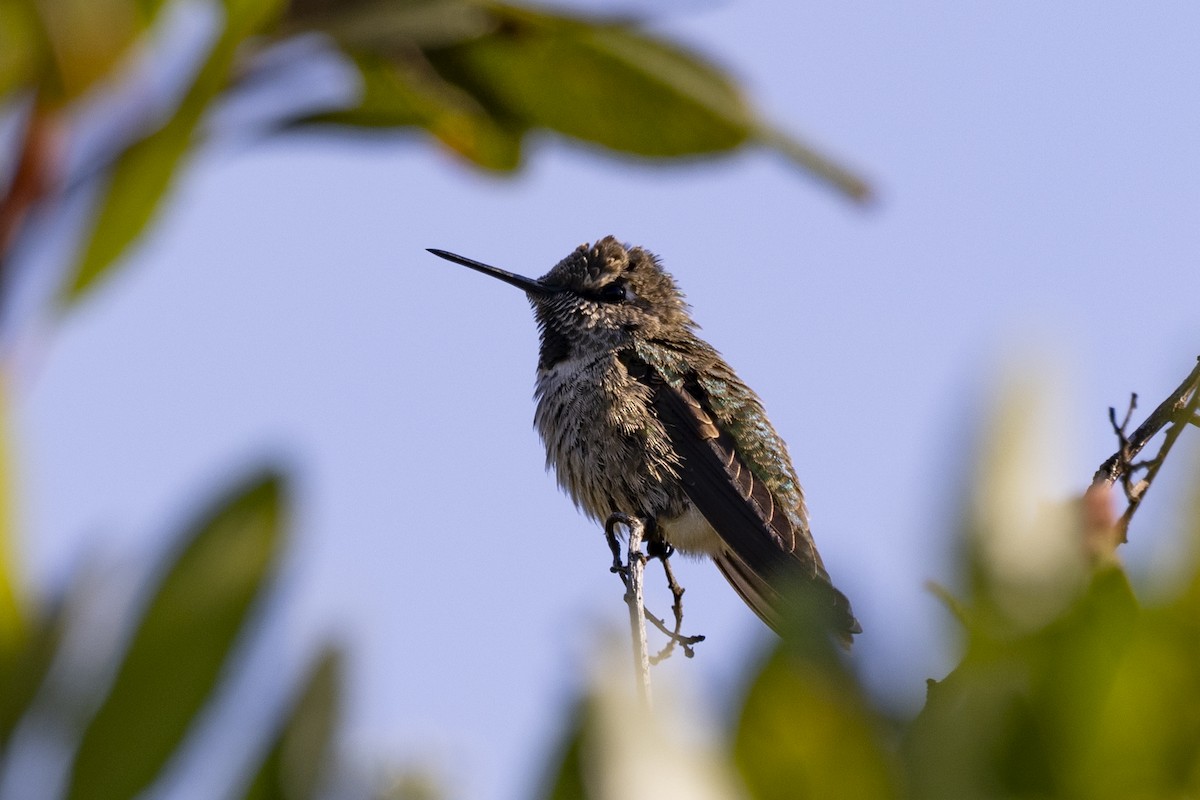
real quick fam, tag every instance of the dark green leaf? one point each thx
(1143, 736)
(1075, 660)
(1144, 739)
(181, 645)
(23, 670)
(136, 186)
(394, 94)
(1018, 715)
(383, 26)
(600, 82)
(974, 727)
(247, 17)
(606, 84)
(144, 172)
(300, 756)
(19, 46)
(807, 731)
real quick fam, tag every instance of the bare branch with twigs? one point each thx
(1179, 410)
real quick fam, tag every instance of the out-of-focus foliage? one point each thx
(142, 173)
(1099, 697)
(12, 621)
(293, 767)
(179, 650)
(477, 76)
(180, 646)
(614, 748)
(835, 747)
(1067, 687)
(566, 780)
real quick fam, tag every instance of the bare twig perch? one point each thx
(631, 570)
(631, 574)
(675, 636)
(662, 552)
(1175, 413)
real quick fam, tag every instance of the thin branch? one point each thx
(1119, 462)
(634, 570)
(674, 637)
(688, 643)
(1123, 440)
(1174, 414)
(1139, 491)
(661, 551)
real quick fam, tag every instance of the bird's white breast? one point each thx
(690, 533)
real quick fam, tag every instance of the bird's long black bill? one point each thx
(529, 285)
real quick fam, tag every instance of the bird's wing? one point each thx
(770, 556)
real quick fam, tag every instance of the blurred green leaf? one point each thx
(85, 39)
(1144, 740)
(1077, 657)
(517, 69)
(383, 26)
(1017, 715)
(25, 654)
(19, 45)
(395, 94)
(300, 757)
(22, 671)
(1143, 737)
(1189, 599)
(181, 645)
(149, 9)
(136, 186)
(14, 624)
(605, 84)
(566, 778)
(974, 729)
(806, 730)
(144, 172)
(1067, 687)
(245, 18)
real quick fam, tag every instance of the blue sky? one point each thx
(1039, 181)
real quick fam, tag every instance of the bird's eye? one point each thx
(615, 292)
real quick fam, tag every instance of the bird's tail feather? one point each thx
(769, 602)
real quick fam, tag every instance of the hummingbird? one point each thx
(640, 415)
